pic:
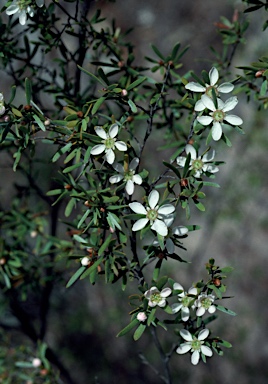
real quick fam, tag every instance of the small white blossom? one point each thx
(185, 300)
(127, 175)
(156, 297)
(2, 107)
(85, 261)
(195, 345)
(199, 164)
(23, 7)
(109, 143)
(213, 78)
(36, 362)
(153, 214)
(141, 316)
(205, 303)
(219, 115)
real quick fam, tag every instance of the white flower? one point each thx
(141, 316)
(213, 78)
(2, 107)
(127, 175)
(153, 214)
(195, 345)
(85, 261)
(156, 297)
(199, 164)
(185, 300)
(22, 7)
(109, 143)
(205, 303)
(36, 362)
(219, 115)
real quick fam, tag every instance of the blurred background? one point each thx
(85, 319)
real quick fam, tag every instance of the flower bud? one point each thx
(259, 73)
(141, 316)
(27, 107)
(124, 92)
(36, 362)
(80, 114)
(85, 261)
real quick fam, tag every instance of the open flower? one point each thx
(23, 7)
(219, 115)
(195, 345)
(213, 78)
(128, 175)
(205, 303)
(156, 297)
(199, 164)
(185, 300)
(153, 214)
(109, 143)
(2, 107)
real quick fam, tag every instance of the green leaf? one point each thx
(151, 316)
(139, 331)
(105, 245)
(76, 276)
(92, 268)
(225, 310)
(157, 269)
(61, 151)
(39, 122)
(69, 207)
(113, 221)
(128, 328)
(97, 105)
(92, 76)
(72, 167)
(157, 52)
(103, 76)
(13, 94)
(136, 83)
(162, 282)
(28, 90)
(132, 106)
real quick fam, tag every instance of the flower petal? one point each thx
(186, 335)
(137, 179)
(213, 76)
(140, 224)
(181, 161)
(138, 208)
(177, 286)
(115, 179)
(97, 149)
(110, 156)
(160, 227)
(206, 350)
(165, 292)
(216, 131)
(195, 87)
(195, 357)
(225, 87)
(199, 106)
(209, 156)
(119, 168)
(190, 149)
(192, 291)
(130, 187)
(13, 8)
(153, 198)
(204, 120)
(212, 309)
(200, 311)
(166, 209)
(176, 307)
(22, 17)
(180, 230)
(203, 334)
(170, 246)
(230, 104)
(121, 146)
(100, 132)
(233, 119)
(185, 313)
(210, 168)
(183, 348)
(208, 103)
(134, 163)
(113, 130)
(39, 3)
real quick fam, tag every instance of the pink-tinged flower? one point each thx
(141, 316)
(156, 297)
(218, 115)
(199, 164)
(195, 345)
(205, 303)
(213, 78)
(23, 7)
(186, 300)
(153, 214)
(36, 362)
(109, 143)
(128, 175)
(85, 261)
